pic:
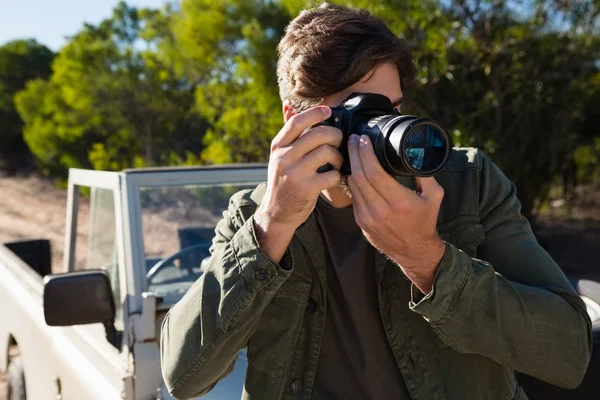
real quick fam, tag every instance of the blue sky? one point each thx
(49, 21)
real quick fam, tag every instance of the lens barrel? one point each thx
(408, 144)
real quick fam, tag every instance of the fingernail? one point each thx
(326, 110)
(363, 140)
(353, 138)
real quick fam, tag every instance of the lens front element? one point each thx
(414, 146)
(425, 147)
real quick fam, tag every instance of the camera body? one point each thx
(403, 144)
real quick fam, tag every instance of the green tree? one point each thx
(196, 82)
(111, 102)
(20, 61)
(228, 48)
(514, 78)
(520, 79)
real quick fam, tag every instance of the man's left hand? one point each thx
(397, 221)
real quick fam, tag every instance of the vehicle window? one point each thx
(96, 243)
(178, 224)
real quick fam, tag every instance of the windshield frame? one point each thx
(136, 179)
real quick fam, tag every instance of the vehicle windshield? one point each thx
(178, 224)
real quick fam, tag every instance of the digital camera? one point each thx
(403, 144)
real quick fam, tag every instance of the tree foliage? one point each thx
(520, 87)
(195, 83)
(112, 102)
(20, 62)
(511, 77)
(228, 49)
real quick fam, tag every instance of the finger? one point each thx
(358, 174)
(362, 212)
(358, 199)
(383, 182)
(429, 188)
(353, 156)
(294, 127)
(320, 156)
(315, 137)
(327, 180)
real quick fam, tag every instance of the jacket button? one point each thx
(312, 306)
(261, 274)
(296, 386)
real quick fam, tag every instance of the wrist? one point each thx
(270, 225)
(273, 237)
(422, 267)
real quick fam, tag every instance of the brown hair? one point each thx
(328, 49)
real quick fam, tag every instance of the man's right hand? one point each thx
(294, 184)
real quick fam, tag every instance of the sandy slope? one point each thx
(32, 208)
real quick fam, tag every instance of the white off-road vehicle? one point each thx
(135, 242)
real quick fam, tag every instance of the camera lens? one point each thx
(403, 144)
(424, 147)
(407, 144)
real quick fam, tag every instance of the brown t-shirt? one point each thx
(356, 361)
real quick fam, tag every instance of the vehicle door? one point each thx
(178, 212)
(88, 366)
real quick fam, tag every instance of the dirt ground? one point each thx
(32, 208)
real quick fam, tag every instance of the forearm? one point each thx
(204, 332)
(540, 331)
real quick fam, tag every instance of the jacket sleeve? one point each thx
(512, 304)
(203, 333)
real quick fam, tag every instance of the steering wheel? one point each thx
(169, 260)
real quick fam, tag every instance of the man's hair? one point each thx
(328, 49)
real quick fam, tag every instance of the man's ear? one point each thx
(288, 111)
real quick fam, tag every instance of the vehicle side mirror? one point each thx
(78, 298)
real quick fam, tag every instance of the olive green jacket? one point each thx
(499, 304)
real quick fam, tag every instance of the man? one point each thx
(370, 286)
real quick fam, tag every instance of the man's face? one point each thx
(382, 80)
